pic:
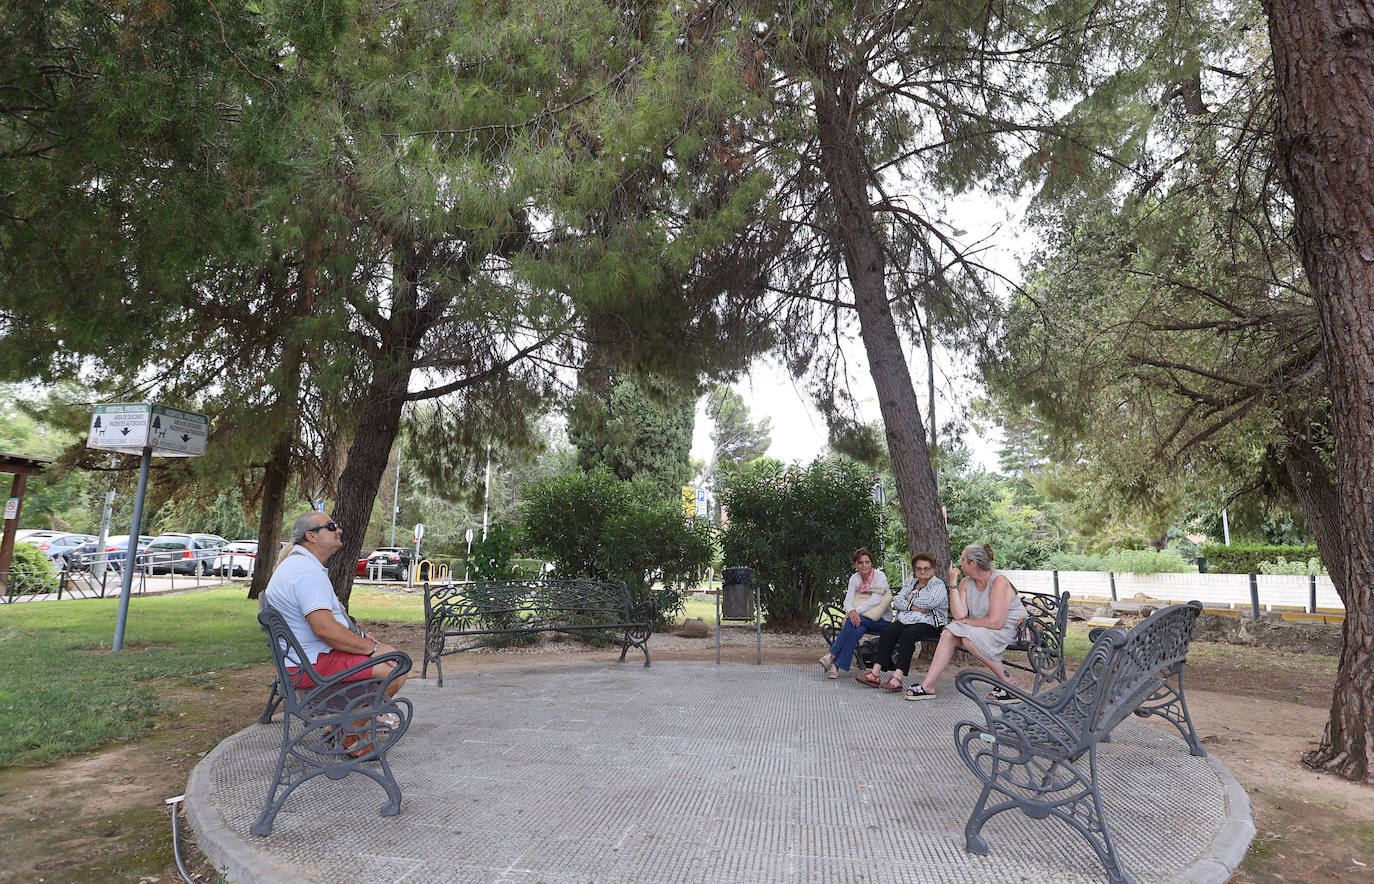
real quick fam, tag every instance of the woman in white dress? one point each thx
(985, 613)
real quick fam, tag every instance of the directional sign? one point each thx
(119, 426)
(132, 426)
(177, 433)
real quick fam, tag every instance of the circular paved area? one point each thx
(702, 773)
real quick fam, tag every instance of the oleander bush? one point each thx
(591, 525)
(798, 530)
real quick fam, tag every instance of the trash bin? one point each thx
(737, 594)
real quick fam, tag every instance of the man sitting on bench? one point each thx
(300, 590)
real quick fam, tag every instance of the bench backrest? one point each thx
(1122, 669)
(1047, 618)
(503, 603)
(1151, 649)
(280, 639)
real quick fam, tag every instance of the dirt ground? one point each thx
(101, 817)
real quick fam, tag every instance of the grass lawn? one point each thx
(65, 691)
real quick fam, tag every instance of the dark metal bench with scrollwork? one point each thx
(334, 728)
(1030, 750)
(464, 616)
(1041, 636)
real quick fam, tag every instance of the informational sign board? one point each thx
(120, 426)
(145, 429)
(11, 508)
(689, 501)
(132, 426)
(177, 433)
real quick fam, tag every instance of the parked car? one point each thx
(391, 563)
(27, 534)
(116, 551)
(237, 559)
(181, 553)
(362, 563)
(58, 546)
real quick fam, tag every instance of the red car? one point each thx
(362, 563)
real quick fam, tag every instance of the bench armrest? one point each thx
(328, 684)
(1022, 720)
(642, 613)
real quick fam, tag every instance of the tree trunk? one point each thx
(1320, 501)
(274, 481)
(1324, 75)
(367, 461)
(847, 172)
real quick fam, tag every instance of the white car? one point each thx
(237, 559)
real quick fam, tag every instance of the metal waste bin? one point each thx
(738, 600)
(737, 594)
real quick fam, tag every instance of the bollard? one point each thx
(1056, 584)
(1111, 576)
(1311, 593)
(1254, 597)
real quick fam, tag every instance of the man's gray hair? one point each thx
(304, 522)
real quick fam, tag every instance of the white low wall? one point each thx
(1211, 589)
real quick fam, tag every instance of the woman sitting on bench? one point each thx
(867, 604)
(986, 612)
(922, 609)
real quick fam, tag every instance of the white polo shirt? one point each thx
(299, 586)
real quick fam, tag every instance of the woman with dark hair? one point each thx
(986, 612)
(866, 603)
(922, 610)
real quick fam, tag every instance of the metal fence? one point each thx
(91, 577)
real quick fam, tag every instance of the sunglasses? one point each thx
(327, 526)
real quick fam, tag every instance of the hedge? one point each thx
(1246, 558)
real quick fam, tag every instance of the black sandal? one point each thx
(1001, 695)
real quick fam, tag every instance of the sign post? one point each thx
(140, 428)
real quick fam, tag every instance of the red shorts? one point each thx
(331, 662)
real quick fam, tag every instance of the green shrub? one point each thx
(1298, 567)
(1246, 558)
(1130, 561)
(491, 556)
(526, 569)
(595, 526)
(798, 531)
(31, 572)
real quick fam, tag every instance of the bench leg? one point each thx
(273, 701)
(1168, 703)
(1040, 788)
(639, 639)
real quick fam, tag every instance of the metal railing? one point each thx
(93, 576)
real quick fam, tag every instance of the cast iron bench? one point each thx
(463, 616)
(1030, 749)
(318, 721)
(1041, 636)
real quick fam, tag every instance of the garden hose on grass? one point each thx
(176, 844)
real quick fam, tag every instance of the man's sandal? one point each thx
(869, 679)
(918, 692)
